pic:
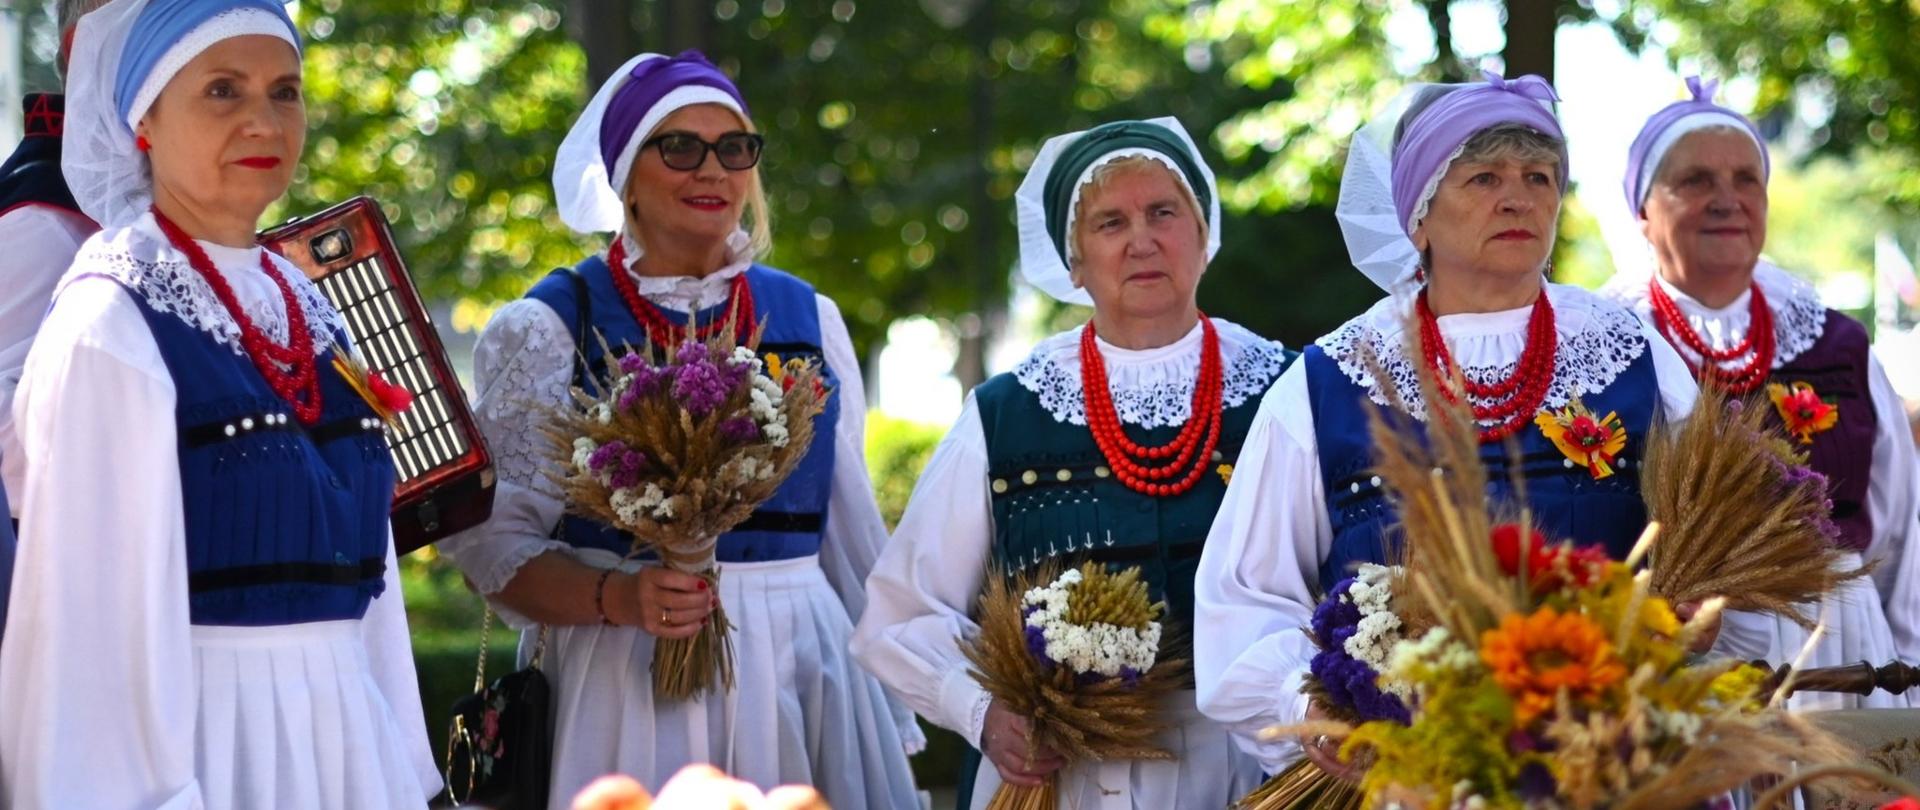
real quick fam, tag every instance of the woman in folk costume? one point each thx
(1458, 226)
(1043, 464)
(208, 612)
(1697, 182)
(665, 157)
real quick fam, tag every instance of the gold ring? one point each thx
(664, 621)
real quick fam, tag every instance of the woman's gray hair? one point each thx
(70, 12)
(1512, 142)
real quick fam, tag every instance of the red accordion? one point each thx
(445, 475)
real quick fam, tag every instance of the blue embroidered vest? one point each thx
(1055, 499)
(789, 524)
(1567, 502)
(285, 523)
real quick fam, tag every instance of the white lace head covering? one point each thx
(1378, 212)
(124, 54)
(1042, 260)
(591, 169)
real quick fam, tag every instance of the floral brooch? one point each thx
(1586, 440)
(1803, 410)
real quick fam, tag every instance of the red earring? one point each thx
(140, 142)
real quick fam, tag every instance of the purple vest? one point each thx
(1836, 367)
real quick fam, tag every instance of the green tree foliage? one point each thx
(448, 112)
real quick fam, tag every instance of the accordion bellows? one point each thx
(444, 474)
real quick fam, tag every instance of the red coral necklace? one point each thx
(1145, 469)
(290, 370)
(1759, 341)
(1514, 399)
(664, 333)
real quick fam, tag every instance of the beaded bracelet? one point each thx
(599, 597)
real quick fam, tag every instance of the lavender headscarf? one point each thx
(1432, 139)
(1666, 127)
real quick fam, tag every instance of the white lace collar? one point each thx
(1151, 387)
(692, 293)
(1598, 341)
(140, 257)
(1799, 316)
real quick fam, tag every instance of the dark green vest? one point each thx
(1055, 499)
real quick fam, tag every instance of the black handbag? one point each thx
(500, 742)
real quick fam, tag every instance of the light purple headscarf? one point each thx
(1430, 142)
(1667, 126)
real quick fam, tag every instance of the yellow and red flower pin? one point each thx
(1588, 441)
(386, 399)
(1802, 409)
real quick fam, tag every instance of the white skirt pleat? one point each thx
(1856, 631)
(1208, 772)
(290, 717)
(801, 711)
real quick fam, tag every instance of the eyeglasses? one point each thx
(738, 151)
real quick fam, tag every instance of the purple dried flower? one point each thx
(689, 353)
(1333, 614)
(1735, 406)
(606, 455)
(633, 362)
(739, 430)
(700, 388)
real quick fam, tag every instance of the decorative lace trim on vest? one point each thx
(1799, 317)
(1151, 394)
(171, 285)
(1589, 360)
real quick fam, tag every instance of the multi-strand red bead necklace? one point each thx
(290, 370)
(1515, 399)
(1146, 470)
(1759, 342)
(664, 333)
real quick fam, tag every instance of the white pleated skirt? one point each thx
(1209, 772)
(1856, 631)
(291, 718)
(801, 711)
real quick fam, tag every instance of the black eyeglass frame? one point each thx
(659, 144)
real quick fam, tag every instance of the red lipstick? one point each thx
(259, 162)
(1514, 235)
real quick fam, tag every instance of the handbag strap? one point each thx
(480, 668)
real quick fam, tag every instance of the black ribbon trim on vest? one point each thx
(791, 349)
(1541, 464)
(289, 573)
(340, 429)
(215, 432)
(796, 522)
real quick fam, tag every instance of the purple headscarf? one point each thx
(1429, 142)
(649, 82)
(1650, 147)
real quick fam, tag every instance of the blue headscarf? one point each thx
(165, 24)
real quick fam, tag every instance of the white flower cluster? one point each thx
(1436, 649)
(1684, 726)
(583, 448)
(633, 505)
(1099, 648)
(1374, 638)
(743, 356)
(763, 405)
(743, 468)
